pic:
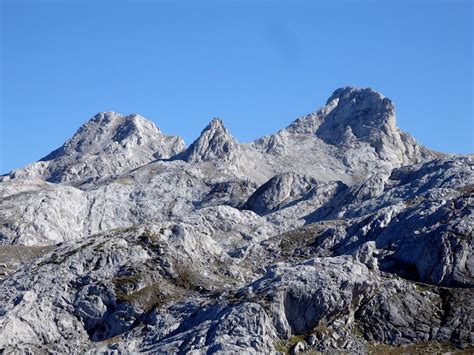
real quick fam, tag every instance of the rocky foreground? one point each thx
(338, 233)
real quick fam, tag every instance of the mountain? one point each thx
(214, 143)
(108, 144)
(353, 135)
(338, 233)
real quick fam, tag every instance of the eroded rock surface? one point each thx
(338, 233)
(108, 144)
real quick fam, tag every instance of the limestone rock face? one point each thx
(279, 191)
(420, 218)
(350, 137)
(214, 143)
(338, 233)
(369, 117)
(108, 144)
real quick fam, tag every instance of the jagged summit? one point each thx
(214, 144)
(103, 130)
(351, 107)
(109, 143)
(361, 114)
(353, 134)
(215, 123)
(349, 92)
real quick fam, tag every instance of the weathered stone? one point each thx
(338, 233)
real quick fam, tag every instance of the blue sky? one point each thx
(258, 65)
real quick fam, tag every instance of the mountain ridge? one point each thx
(338, 233)
(338, 132)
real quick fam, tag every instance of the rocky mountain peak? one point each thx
(350, 103)
(109, 143)
(89, 135)
(350, 92)
(360, 117)
(361, 114)
(105, 130)
(354, 133)
(216, 123)
(214, 143)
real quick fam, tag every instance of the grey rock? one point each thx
(298, 348)
(367, 116)
(108, 144)
(279, 192)
(214, 143)
(351, 137)
(420, 218)
(337, 233)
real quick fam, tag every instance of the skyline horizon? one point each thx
(197, 135)
(257, 66)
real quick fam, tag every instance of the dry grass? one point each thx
(21, 253)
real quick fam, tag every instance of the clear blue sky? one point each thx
(258, 65)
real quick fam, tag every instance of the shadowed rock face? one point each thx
(367, 116)
(280, 191)
(338, 233)
(360, 114)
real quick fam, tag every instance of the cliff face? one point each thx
(339, 232)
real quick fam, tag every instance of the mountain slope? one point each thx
(338, 233)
